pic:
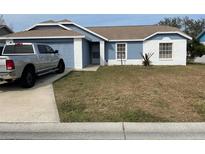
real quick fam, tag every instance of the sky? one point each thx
(20, 22)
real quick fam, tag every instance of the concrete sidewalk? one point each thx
(36, 104)
(117, 130)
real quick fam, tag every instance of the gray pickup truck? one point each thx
(26, 61)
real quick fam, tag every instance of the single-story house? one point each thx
(201, 38)
(107, 45)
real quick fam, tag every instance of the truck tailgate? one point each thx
(3, 64)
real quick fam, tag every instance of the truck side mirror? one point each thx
(56, 51)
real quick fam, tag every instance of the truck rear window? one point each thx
(18, 49)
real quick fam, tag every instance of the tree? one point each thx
(195, 49)
(190, 26)
(193, 27)
(174, 22)
(2, 21)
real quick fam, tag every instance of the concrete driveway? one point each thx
(29, 105)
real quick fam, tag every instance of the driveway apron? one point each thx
(29, 105)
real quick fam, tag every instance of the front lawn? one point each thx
(133, 93)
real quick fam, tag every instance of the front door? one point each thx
(95, 53)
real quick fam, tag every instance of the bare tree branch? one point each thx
(2, 21)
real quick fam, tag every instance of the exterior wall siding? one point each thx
(151, 45)
(202, 38)
(134, 50)
(110, 51)
(201, 59)
(179, 51)
(86, 53)
(170, 36)
(64, 46)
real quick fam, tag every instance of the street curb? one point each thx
(164, 127)
(165, 131)
(61, 131)
(61, 127)
(100, 130)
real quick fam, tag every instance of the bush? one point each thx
(195, 49)
(146, 58)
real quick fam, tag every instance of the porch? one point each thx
(93, 53)
(88, 53)
(91, 68)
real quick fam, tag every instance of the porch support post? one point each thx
(102, 53)
(78, 53)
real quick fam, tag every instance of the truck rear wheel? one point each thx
(28, 78)
(61, 67)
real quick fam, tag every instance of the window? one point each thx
(49, 49)
(18, 49)
(121, 51)
(44, 49)
(165, 50)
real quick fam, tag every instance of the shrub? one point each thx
(146, 58)
(195, 49)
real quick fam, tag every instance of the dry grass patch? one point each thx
(133, 93)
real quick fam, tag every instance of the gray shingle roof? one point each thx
(48, 21)
(44, 33)
(52, 21)
(64, 20)
(130, 32)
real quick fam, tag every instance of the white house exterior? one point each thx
(109, 45)
(179, 51)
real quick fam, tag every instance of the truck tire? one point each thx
(61, 67)
(28, 78)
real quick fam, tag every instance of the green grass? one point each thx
(200, 109)
(133, 93)
(140, 116)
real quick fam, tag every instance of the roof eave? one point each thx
(200, 34)
(170, 32)
(144, 39)
(41, 37)
(9, 29)
(48, 24)
(125, 40)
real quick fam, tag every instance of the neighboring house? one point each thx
(201, 38)
(81, 46)
(4, 30)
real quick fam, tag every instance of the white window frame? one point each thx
(125, 51)
(172, 50)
